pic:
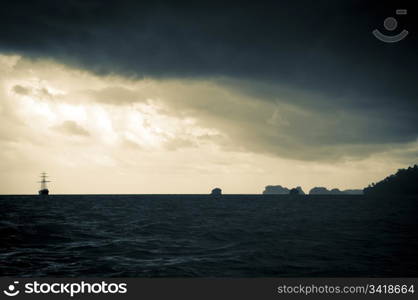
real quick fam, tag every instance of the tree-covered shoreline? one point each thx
(403, 182)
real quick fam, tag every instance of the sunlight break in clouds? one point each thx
(155, 136)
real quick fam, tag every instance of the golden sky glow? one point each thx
(109, 134)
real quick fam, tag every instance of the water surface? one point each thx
(194, 235)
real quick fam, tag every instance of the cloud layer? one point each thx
(190, 134)
(297, 82)
(316, 67)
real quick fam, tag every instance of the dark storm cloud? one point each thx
(357, 90)
(307, 44)
(286, 123)
(348, 118)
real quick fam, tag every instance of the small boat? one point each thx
(44, 190)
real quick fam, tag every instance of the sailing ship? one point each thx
(44, 190)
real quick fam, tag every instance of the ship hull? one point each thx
(43, 192)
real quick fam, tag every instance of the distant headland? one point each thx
(403, 182)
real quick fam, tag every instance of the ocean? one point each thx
(199, 236)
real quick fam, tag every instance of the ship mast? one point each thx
(43, 181)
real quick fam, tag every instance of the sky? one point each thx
(158, 97)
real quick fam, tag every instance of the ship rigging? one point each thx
(44, 189)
